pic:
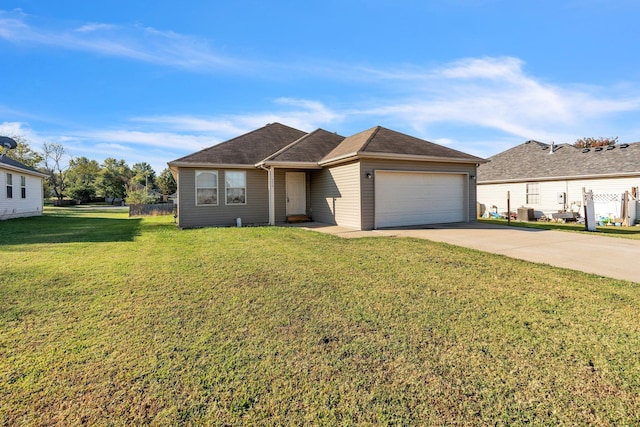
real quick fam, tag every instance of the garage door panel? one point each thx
(419, 198)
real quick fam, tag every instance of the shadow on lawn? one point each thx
(67, 229)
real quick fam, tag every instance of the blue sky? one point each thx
(155, 80)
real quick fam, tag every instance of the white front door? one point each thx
(296, 193)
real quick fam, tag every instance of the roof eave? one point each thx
(24, 171)
(289, 165)
(209, 165)
(560, 178)
(396, 156)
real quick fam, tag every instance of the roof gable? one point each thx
(279, 144)
(534, 160)
(310, 148)
(380, 140)
(247, 149)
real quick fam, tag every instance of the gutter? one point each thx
(407, 157)
(560, 178)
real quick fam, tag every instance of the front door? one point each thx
(296, 193)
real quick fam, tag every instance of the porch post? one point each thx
(272, 196)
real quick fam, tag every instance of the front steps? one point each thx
(297, 218)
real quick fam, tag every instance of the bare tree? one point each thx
(54, 156)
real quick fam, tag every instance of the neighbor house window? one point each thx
(23, 187)
(236, 187)
(533, 193)
(9, 186)
(206, 187)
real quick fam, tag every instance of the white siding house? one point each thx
(550, 179)
(21, 193)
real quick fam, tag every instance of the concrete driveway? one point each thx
(592, 253)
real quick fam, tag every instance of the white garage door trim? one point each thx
(404, 198)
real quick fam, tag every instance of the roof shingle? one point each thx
(16, 164)
(381, 140)
(534, 160)
(310, 148)
(247, 149)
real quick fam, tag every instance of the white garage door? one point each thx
(416, 198)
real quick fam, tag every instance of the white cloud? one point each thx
(94, 26)
(496, 94)
(158, 140)
(132, 42)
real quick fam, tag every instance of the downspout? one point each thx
(272, 193)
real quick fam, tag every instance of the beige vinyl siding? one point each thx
(17, 207)
(255, 211)
(368, 189)
(335, 195)
(496, 194)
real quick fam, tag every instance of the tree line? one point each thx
(83, 179)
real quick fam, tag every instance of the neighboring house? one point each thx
(21, 192)
(374, 179)
(550, 178)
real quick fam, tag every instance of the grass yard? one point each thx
(609, 230)
(106, 320)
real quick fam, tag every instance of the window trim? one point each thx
(23, 186)
(227, 188)
(532, 193)
(9, 185)
(217, 187)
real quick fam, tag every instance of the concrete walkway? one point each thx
(592, 253)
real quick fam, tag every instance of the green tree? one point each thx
(113, 178)
(55, 165)
(82, 178)
(144, 174)
(137, 195)
(166, 182)
(24, 154)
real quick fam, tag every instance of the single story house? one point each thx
(21, 191)
(374, 179)
(549, 178)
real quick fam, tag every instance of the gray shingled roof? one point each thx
(247, 149)
(279, 143)
(532, 160)
(310, 148)
(381, 140)
(16, 164)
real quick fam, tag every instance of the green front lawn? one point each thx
(106, 320)
(609, 230)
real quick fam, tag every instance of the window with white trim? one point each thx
(9, 186)
(23, 186)
(236, 187)
(533, 193)
(206, 187)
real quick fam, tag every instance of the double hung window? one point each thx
(206, 187)
(533, 193)
(9, 186)
(236, 187)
